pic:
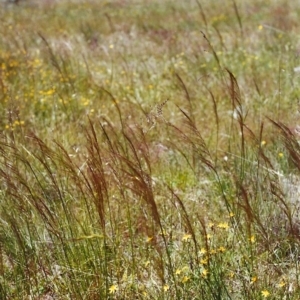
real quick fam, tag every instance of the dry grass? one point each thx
(148, 150)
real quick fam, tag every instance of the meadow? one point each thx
(149, 149)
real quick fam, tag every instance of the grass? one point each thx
(149, 150)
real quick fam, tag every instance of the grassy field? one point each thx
(149, 149)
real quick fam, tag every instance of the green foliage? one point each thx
(149, 150)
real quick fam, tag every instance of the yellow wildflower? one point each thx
(253, 279)
(186, 237)
(166, 287)
(149, 239)
(221, 249)
(185, 279)
(265, 293)
(213, 251)
(204, 261)
(204, 273)
(178, 272)
(263, 143)
(202, 251)
(223, 225)
(113, 289)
